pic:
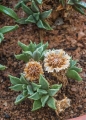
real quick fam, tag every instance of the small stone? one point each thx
(7, 116)
(73, 89)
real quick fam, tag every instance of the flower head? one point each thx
(56, 60)
(33, 70)
(61, 105)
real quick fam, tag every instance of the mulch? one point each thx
(70, 36)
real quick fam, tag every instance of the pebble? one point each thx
(7, 116)
(73, 89)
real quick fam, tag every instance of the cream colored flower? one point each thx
(61, 105)
(33, 70)
(56, 60)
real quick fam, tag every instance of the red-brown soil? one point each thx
(71, 36)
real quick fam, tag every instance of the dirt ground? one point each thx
(71, 36)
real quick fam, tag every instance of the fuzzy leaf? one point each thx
(27, 54)
(51, 103)
(82, 4)
(8, 11)
(19, 99)
(31, 46)
(52, 92)
(45, 46)
(23, 46)
(6, 29)
(72, 63)
(54, 89)
(46, 25)
(39, 1)
(34, 7)
(43, 82)
(30, 90)
(35, 86)
(22, 57)
(26, 9)
(56, 86)
(36, 16)
(2, 67)
(44, 100)
(25, 92)
(22, 21)
(23, 80)
(40, 24)
(41, 91)
(18, 5)
(74, 75)
(35, 96)
(1, 37)
(45, 14)
(76, 69)
(17, 87)
(37, 105)
(36, 55)
(14, 80)
(79, 9)
(30, 19)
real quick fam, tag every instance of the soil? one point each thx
(70, 36)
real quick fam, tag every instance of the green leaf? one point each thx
(31, 46)
(25, 92)
(18, 5)
(23, 80)
(62, 2)
(35, 86)
(28, 55)
(81, 4)
(52, 92)
(22, 57)
(56, 86)
(20, 98)
(24, 86)
(54, 89)
(1, 37)
(36, 16)
(2, 67)
(30, 19)
(72, 63)
(42, 24)
(36, 55)
(30, 90)
(22, 21)
(26, 9)
(79, 9)
(23, 46)
(45, 46)
(41, 91)
(6, 29)
(70, 2)
(17, 87)
(34, 7)
(76, 69)
(43, 82)
(44, 100)
(35, 96)
(74, 75)
(37, 105)
(51, 103)
(45, 14)
(8, 11)
(14, 80)
(46, 25)
(39, 1)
